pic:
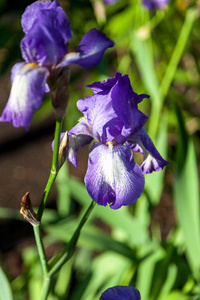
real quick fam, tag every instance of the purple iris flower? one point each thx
(44, 49)
(153, 4)
(120, 293)
(110, 1)
(112, 118)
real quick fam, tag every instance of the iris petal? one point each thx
(152, 160)
(120, 293)
(26, 95)
(112, 111)
(75, 143)
(90, 50)
(49, 13)
(153, 4)
(113, 176)
(79, 136)
(43, 45)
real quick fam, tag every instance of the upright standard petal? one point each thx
(44, 46)
(26, 95)
(112, 176)
(90, 50)
(120, 293)
(47, 12)
(47, 32)
(152, 160)
(112, 111)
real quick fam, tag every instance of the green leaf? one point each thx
(90, 238)
(133, 228)
(146, 270)
(144, 55)
(175, 295)
(191, 16)
(187, 208)
(63, 192)
(109, 269)
(153, 190)
(5, 288)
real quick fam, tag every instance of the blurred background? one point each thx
(153, 245)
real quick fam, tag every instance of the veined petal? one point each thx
(47, 32)
(49, 13)
(120, 293)
(113, 176)
(78, 136)
(90, 50)
(75, 143)
(82, 127)
(26, 95)
(44, 46)
(112, 111)
(152, 160)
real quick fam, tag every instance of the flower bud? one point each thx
(27, 211)
(63, 150)
(58, 83)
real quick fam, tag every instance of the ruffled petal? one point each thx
(82, 127)
(49, 13)
(26, 95)
(152, 160)
(112, 111)
(44, 46)
(47, 33)
(112, 176)
(90, 50)
(120, 293)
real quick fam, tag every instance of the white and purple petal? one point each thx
(120, 293)
(152, 160)
(26, 96)
(112, 176)
(90, 50)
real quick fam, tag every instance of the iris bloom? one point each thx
(120, 293)
(153, 4)
(110, 1)
(113, 120)
(44, 49)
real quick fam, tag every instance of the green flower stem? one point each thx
(45, 288)
(44, 263)
(41, 251)
(54, 170)
(71, 246)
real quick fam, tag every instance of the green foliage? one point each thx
(5, 288)
(153, 245)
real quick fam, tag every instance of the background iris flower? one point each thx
(120, 293)
(44, 49)
(153, 4)
(112, 118)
